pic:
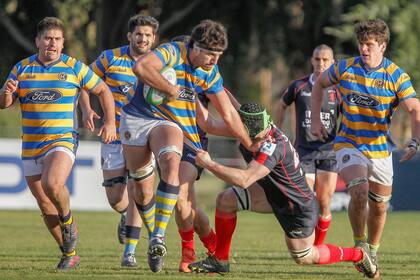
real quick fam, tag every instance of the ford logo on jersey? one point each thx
(362, 100)
(186, 94)
(43, 96)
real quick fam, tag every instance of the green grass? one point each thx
(258, 251)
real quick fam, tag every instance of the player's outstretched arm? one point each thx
(108, 130)
(6, 93)
(147, 68)
(210, 124)
(239, 177)
(279, 112)
(88, 114)
(231, 118)
(412, 106)
(317, 128)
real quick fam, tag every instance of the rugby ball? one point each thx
(152, 95)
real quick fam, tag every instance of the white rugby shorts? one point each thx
(33, 167)
(380, 170)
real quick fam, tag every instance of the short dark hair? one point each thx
(210, 35)
(372, 28)
(48, 23)
(323, 47)
(140, 20)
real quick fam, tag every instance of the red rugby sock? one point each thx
(321, 229)
(225, 226)
(331, 254)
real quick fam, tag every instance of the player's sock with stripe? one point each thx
(373, 249)
(166, 197)
(321, 229)
(68, 220)
(147, 213)
(132, 235)
(225, 226)
(359, 241)
(209, 242)
(331, 254)
(187, 238)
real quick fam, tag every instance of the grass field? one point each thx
(258, 251)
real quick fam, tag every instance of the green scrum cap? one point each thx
(255, 118)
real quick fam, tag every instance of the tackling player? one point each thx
(115, 67)
(47, 86)
(372, 87)
(317, 158)
(272, 182)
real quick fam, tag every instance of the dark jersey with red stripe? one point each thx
(300, 92)
(285, 185)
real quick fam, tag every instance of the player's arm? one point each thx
(6, 93)
(239, 177)
(108, 130)
(147, 68)
(317, 128)
(88, 114)
(209, 123)
(230, 116)
(412, 106)
(233, 99)
(279, 112)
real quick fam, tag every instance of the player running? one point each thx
(47, 85)
(317, 158)
(272, 182)
(115, 67)
(371, 87)
(147, 129)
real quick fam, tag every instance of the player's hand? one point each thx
(410, 149)
(203, 158)
(108, 132)
(10, 87)
(318, 130)
(89, 118)
(173, 94)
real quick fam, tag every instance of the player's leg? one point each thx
(380, 192)
(353, 169)
(166, 141)
(325, 182)
(184, 214)
(228, 203)
(48, 211)
(132, 230)
(115, 178)
(57, 167)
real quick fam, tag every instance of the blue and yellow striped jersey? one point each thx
(370, 98)
(192, 81)
(48, 96)
(115, 68)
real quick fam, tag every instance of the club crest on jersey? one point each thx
(62, 76)
(331, 96)
(268, 148)
(43, 96)
(186, 94)
(127, 135)
(362, 100)
(379, 83)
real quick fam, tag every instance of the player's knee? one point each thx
(226, 200)
(302, 257)
(142, 173)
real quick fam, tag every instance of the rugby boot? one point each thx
(157, 249)
(68, 262)
(366, 265)
(129, 260)
(188, 256)
(209, 265)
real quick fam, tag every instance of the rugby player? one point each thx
(114, 66)
(272, 182)
(47, 85)
(147, 129)
(317, 158)
(371, 87)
